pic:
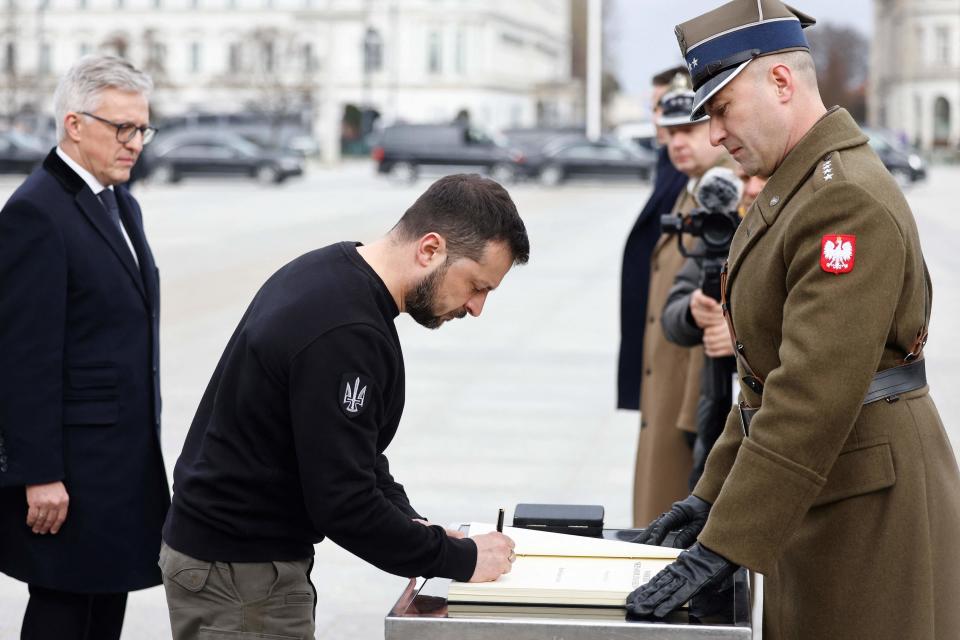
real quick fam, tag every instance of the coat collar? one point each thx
(836, 130)
(93, 209)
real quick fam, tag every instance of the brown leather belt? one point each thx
(886, 385)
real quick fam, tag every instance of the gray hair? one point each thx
(81, 87)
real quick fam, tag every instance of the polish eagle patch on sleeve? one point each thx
(838, 253)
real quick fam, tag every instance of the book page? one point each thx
(530, 542)
(589, 581)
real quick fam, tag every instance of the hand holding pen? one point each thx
(495, 554)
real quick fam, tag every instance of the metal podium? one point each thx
(423, 613)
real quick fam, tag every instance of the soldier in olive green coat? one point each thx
(670, 386)
(838, 482)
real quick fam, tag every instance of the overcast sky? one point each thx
(643, 41)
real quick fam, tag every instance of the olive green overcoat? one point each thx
(670, 387)
(852, 512)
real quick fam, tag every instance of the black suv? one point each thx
(403, 149)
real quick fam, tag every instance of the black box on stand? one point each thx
(576, 519)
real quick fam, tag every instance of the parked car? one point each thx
(404, 150)
(201, 152)
(20, 152)
(581, 158)
(271, 131)
(532, 140)
(906, 165)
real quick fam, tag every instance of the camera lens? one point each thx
(718, 230)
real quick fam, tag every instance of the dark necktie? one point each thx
(109, 200)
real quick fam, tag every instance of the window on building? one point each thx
(943, 45)
(43, 62)
(157, 4)
(10, 58)
(309, 59)
(269, 57)
(460, 59)
(919, 45)
(118, 4)
(196, 52)
(434, 52)
(194, 4)
(158, 56)
(234, 57)
(85, 48)
(372, 51)
(941, 122)
(81, 4)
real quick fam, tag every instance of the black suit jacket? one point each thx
(79, 386)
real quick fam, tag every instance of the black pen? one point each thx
(500, 521)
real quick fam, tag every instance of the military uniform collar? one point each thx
(836, 130)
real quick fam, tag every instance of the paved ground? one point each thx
(515, 406)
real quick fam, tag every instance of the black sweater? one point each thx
(287, 444)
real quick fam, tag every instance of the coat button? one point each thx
(648, 372)
(740, 347)
(774, 201)
(3, 468)
(652, 320)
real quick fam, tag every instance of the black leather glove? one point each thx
(686, 517)
(696, 568)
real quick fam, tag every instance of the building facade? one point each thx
(505, 62)
(915, 89)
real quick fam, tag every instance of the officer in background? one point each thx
(635, 273)
(835, 479)
(671, 374)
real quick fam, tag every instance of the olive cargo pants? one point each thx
(238, 600)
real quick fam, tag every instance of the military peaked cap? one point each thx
(676, 107)
(718, 45)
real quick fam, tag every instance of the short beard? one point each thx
(419, 302)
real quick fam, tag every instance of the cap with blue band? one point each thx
(724, 41)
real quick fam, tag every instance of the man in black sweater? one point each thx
(287, 446)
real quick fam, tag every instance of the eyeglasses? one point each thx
(126, 130)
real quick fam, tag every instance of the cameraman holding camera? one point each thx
(691, 317)
(670, 386)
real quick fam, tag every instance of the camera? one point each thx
(714, 223)
(716, 229)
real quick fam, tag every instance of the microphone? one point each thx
(719, 190)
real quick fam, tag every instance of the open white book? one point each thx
(560, 569)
